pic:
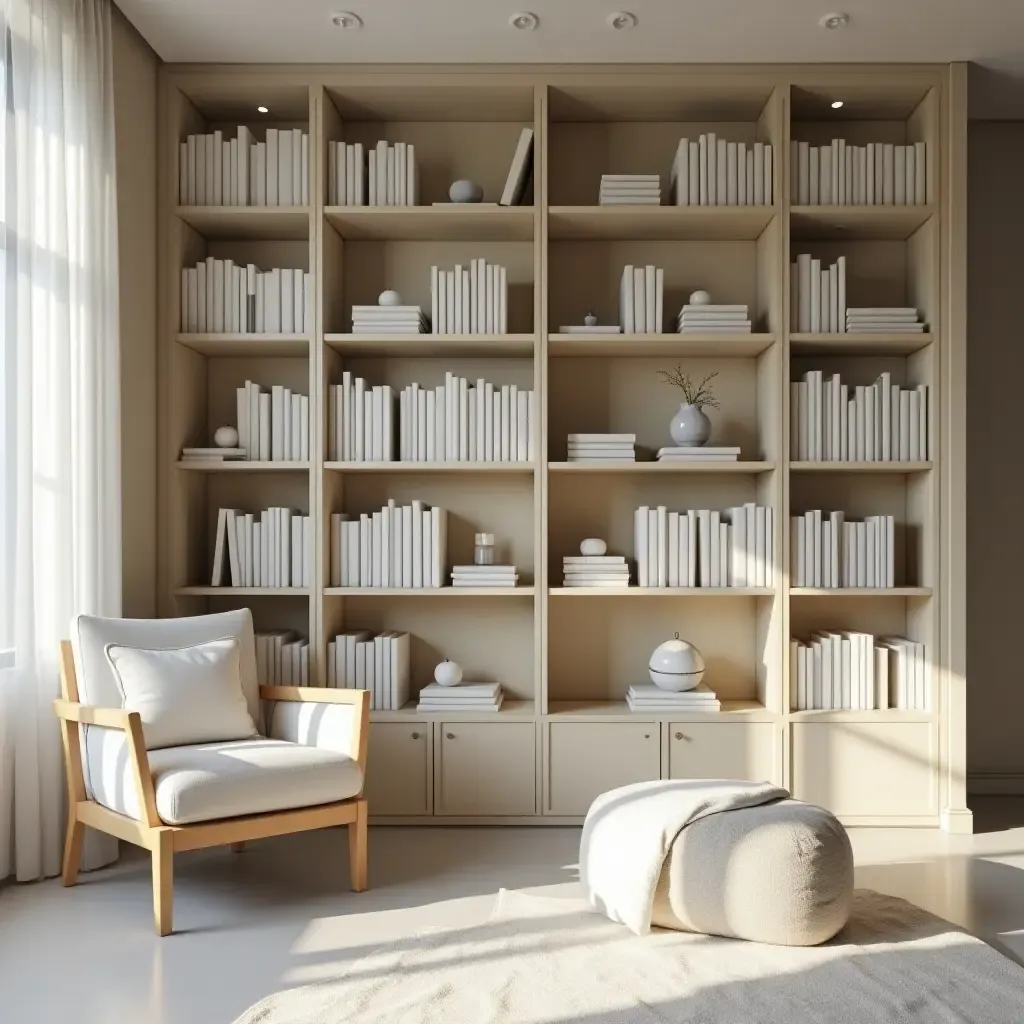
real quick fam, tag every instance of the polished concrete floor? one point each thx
(280, 914)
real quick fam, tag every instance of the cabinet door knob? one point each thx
(415, 735)
(449, 735)
(647, 735)
(679, 735)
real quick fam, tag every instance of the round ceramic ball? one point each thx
(676, 665)
(448, 673)
(593, 546)
(700, 298)
(225, 437)
(389, 298)
(464, 191)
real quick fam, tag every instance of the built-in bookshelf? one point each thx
(801, 397)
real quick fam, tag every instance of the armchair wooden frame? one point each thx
(163, 841)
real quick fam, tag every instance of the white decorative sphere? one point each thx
(389, 298)
(225, 437)
(448, 673)
(593, 546)
(700, 298)
(464, 191)
(676, 665)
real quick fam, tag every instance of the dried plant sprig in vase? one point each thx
(690, 427)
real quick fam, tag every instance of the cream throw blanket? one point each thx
(629, 831)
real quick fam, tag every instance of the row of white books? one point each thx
(831, 552)
(282, 658)
(271, 550)
(224, 297)
(379, 664)
(389, 320)
(630, 190)
(274, 426)
(704, 548)
(818, 296)
(464, 697)
(712, 319)
(711, 171)
(484, 576)
(642, 299)
(701, 454)
(386, 176)
(595, 571)
(601, 448)
(399, 546)
(648, 698)
(855, 671)
(877, 174)
(214, 171)
(835, 422)
(883, 320)
(469, 300)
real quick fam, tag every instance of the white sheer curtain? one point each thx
(60, 527)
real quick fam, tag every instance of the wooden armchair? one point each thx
(117, 786)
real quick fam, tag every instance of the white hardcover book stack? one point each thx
(817, 296)
(469, 300)
(378, 664)
(646, 697)
(642, 299)
(711, 171)
(484, 576)
(282, 659)
(878, 174)
(602, 448)
(464, 697)
(595, 571)
(702, 454)
(594, 329)
(832, 553)
(272, 426)
(346, 174)
(392, 177)
(397, 547)
(883, 320)
(361, 419)
(273, 550)
(214, 455)
(389, 320)
(630, 190)
(711, 319)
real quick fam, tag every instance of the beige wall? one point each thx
(995, 462)
(135, 112)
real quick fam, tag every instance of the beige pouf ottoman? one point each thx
(779, 873)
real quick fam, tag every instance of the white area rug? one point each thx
(547, 961)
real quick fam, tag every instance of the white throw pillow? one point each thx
(186, 694)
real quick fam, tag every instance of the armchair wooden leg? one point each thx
(163, 883)
(73, 840)
(357, 846)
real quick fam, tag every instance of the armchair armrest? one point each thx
(316, 695)
(339, 722)
(84, 714)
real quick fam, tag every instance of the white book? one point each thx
(731, 174)
(888, 174)
(769, 192)
(702, 170)
(640, 523)
(650, 299)
(502, 300)
(920, 193)
(519, 170)
(626, 304)
(722, 169)
(803, 191)
(640, 300)
(899, 175)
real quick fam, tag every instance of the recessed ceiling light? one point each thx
(836, 104)
(525, 21)
(622, 20)
(263, 110)
(833, 21)
(346, 19)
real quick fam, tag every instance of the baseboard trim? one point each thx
(995, 783)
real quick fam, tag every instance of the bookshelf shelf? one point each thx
(859, 344)
(860, 592)
(418, 592)
(617, 709)
(511, 710)
(631, 346)
(201, 591)
(466, 222)
(860, 467)
(858, 222)
(867, 717)
(716, 592)
(669, 468)
(432, 346)
(430, 467)
(661, 223)
(259, 345)
(211, 466)
(259, 223)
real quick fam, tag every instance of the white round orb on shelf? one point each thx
(448, 673)
(700, 298)
(389, 298)
(225, 437)
(593, 546)
(676, 665)
(465, 191)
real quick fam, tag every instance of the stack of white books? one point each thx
(595, 329)
(213, 455)
(713, 172)
(362, 421)
(469, 300)
(272, 427)
(830, 552)
(380, 664)
(282, 659)
(854, 671)
(595, 571)
(642, 299)
(214, 171)
(464, 697)
(484, 576)
(222, 297)
(399, 546)
(271, 551)
(712, 319)
(630, 190)
(704, 548)
(391, 179)
(602, 448)
(877, 174)
(881, 422)
(647, 698)
(701, 454)
(817, 296)
(346, 174)
(883, 320)
(389, 320)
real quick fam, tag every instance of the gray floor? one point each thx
(281, 914)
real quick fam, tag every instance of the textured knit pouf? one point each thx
(780, 873)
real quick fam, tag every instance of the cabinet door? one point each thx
(724, 750)
(486, 768)
(397, 768)
(586, 759)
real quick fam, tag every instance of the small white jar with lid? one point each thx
(483, 549)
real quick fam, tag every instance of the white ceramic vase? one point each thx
(690, 427)
(676, 665)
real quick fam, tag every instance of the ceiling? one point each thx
(989, 32)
